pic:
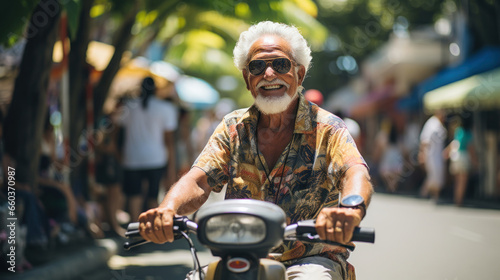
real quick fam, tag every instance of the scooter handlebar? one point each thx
(301, 230)
(180, 224)
(307, 227)
(133, 230)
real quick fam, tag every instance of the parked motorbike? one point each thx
(242, 232)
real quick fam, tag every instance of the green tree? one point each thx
(358, 28)
(200, 41)
(25, 118)
(31, 84)
(78, 79)
(15, 15)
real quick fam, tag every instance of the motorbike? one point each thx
(242, 232)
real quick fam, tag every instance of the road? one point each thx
(415, 239)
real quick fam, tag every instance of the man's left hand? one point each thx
(337, 224)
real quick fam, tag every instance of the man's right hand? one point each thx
(156, 225)
(183, 198)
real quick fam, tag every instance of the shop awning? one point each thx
(482, 61)
(478, 92)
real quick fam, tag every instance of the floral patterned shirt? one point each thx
(306, 178)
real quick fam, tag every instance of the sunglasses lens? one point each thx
(282, 65)
(256, 67)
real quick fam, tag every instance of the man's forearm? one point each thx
(187, 195)
(357, 181)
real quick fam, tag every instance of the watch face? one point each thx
(352, 200)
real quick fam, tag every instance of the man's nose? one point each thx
(269, 73)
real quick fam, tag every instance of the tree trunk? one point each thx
(120, 43)
(78, 79)
(25, 119)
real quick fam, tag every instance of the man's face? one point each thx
(272, 86)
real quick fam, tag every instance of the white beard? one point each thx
(275, 105)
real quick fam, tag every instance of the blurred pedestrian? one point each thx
(432, 140)
(185, 149)
(460, 153)
(108, 168)
(391, 163)
(57, 196)
(69, 212)
(207, 124)
(149, 146)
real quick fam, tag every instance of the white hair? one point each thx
(301, 52)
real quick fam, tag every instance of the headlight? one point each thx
(235, 229)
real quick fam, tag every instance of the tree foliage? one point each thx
(357, 28)
(15, 17)
(200, 38)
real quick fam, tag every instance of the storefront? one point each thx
(479, 95)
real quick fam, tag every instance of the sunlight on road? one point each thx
(466, 234)
(419, 239)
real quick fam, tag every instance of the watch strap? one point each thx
(361, 206)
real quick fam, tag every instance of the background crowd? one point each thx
(375, 63)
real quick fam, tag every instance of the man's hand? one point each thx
(337, 224)
(156, 225)
(183, 198)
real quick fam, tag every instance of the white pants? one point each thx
(317, 268)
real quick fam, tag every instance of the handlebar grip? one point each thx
(133, 230)
(133, 233)
(364, 234)
(360, 234)
(180, 224)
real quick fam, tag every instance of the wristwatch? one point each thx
(355, 201)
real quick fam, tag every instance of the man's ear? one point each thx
(301, 74)
(245, 77)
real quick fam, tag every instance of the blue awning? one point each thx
(484, 60)
(478, 92)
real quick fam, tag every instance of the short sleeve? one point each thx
(343, 154)
(428, 130)
(215, 157)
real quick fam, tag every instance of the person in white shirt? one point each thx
(148, 151)
(432, 140)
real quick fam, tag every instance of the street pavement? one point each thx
(415, 239)
(419, 239)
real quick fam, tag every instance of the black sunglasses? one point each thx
(258, 66)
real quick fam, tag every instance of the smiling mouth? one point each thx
(272, 87)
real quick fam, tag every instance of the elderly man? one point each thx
(283, 150)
